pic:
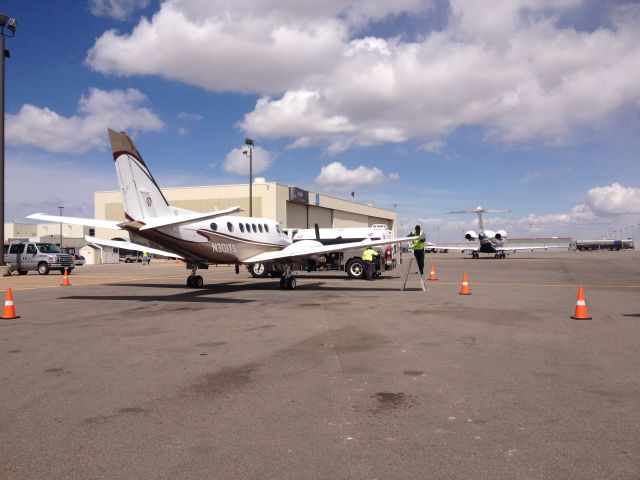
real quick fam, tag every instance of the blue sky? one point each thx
(421, 105)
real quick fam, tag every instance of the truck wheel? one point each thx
(43, 268)
(355, 268)
(23, 272)
(258, 270)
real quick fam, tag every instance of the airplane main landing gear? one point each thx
(475, 254)
(193, 280)
(288, 281)
(501, 255)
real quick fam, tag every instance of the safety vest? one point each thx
(368, 255)
(418, 243)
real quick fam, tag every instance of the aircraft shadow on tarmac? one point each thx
(203, 294)
(631, 315)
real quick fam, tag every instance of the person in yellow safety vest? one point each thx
(418, 247)
(145, 258)
(369, 267)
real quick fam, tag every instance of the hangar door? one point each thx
(347, 219)
(319, 215)
(296, 215)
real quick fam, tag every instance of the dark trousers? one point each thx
(419, 254)
(369, 269)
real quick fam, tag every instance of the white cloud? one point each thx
(336, 176)
(238, 163)
(515, 70)
(46, 129)
(614, 200)
(117, 9)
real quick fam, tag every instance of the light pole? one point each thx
(10, 25)
(250, 144)
(60, 227)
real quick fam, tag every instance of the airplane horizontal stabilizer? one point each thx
(130, 246)
(299, 252)
(173, 221)
(88, 222)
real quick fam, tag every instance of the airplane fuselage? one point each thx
(226, 239)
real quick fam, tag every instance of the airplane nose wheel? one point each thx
(288, 281)
(193, 280)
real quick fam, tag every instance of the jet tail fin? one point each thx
(141, 195)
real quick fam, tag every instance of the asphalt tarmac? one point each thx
(127, 373)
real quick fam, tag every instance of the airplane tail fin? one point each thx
(141, 195)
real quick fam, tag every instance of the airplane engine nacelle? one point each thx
(501, 235)
(471, 235)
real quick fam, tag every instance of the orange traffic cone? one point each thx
(464, 288)
(581, 307)
(432, 275)
(65, 280)
(9, 311)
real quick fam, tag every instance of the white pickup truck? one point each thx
(41, 257)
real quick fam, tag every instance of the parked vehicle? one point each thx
(41, 257)
(349, 261)
(79, 260)
(131, 258)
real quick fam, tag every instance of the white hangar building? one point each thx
(293, 207)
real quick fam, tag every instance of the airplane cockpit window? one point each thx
(241, 227)
(260, 228)
(266, 228)
(214, 226)
(230, 226)
(278, 228)
(255, 230)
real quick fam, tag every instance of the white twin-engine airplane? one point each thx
(200, 239)
(489, 241)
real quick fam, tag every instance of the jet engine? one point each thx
(471, 235)
(501, 235)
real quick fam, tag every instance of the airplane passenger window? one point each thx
(248, 227)
(260, 228)
(241, 227)
(255, 230)
(214, 226)
(230, 226)
(266, 228)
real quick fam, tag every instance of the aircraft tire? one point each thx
(190, 281)
(198, 281)
(259, 270)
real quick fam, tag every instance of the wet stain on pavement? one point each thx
(413, 373)
(101, 419)
(14, 351)
(261, 327)
(429, 344)
(145, 332)
(210, 344)
(57, 371)
(466, 340)
(226, 380)
(389, 401)
(352, 339)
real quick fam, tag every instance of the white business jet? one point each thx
(200, 239)
(490, 242)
